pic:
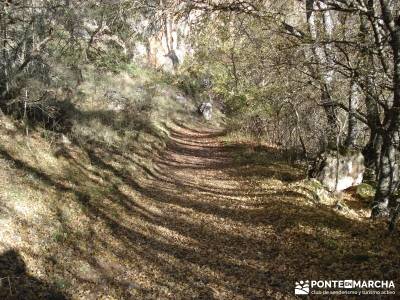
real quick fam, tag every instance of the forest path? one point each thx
(230, 226)
(213, 224)
(198, 219)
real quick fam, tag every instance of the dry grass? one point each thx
(174, 216)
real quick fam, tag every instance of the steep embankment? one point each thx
(154, 203)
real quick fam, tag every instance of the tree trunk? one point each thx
(388, 177)
(331, 115)
(389, 169)
(372, 150)
(323, 71)
(353, 130)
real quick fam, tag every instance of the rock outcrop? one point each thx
(338, 172)
(205, 109)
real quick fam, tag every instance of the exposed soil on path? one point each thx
(213, 207)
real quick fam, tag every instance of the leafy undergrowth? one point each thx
(163, 209)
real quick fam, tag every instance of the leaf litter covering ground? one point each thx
(204, 220)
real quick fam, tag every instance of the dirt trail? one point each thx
(237, 230)
(203, 220)
(214, 239)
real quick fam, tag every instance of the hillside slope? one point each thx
(143, 200)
